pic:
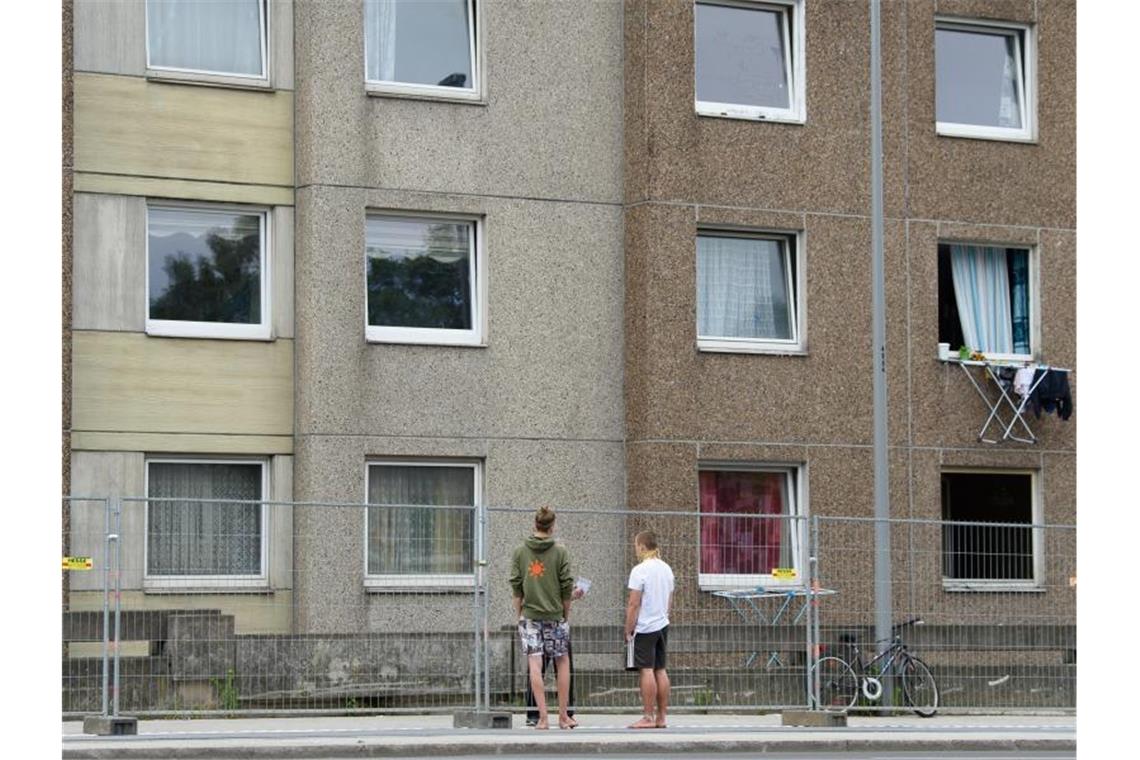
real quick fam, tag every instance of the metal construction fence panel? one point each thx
(201, 606)
(729, 646)
(993, 605)
(244, 606)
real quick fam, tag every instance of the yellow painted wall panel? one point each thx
(260, 613)
(182, 443)
(196, 190)
(129, 125)
(130, 382)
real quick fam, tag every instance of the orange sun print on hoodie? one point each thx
(536, 569)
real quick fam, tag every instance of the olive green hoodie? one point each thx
(540, 574)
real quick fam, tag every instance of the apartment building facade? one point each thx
(589, 254)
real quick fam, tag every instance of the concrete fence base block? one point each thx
(813, 718)
(106, 725)
(473, 719)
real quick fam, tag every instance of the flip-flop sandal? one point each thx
(643, 723)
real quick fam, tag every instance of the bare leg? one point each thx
(562, 680)
(648, 698)
(539, 689)
(662, 679)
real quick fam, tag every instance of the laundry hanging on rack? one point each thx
(1023, 381)
(1052, 393)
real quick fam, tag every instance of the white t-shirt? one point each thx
(654, 579)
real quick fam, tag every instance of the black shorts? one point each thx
(649, 649)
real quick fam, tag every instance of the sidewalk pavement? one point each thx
(433, 735)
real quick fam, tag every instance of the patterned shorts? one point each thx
(546, 637)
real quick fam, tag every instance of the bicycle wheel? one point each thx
(919, 687)
(838, 685)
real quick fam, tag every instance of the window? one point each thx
(983, 543)
(748, 530)
(984, 80)
(749, 59)
(425, 280)
(413, 543)
(221, 37)
(985, 300)
(421, 47)
(749, 292)
(197, 539)
(207, 272)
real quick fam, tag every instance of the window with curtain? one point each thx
(206, 272)
(744, 531)
(747, 292)
(981, 80)
(420, 44)
(404, 538)
(984, 299)
(196, 535)
(422, 277)
(223, 37)
(747, 59)
(982, 537)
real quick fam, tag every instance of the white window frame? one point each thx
(213, 583)
(1034, 300)
(1036, 515)
(796, 295)
(1025, 48)
(176, 328)
(796, 475)
(425, 581)
(795, 66)
(214, 77)
(477, 271)
(436, 92)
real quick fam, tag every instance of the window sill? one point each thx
(710, 582)
(1021, 587)
(764, 350)
(968, 133)
(192, 586)
(224, 81)
(381, 91)
(713, 113)
(419, 584)
(195, 332)
(420, 341)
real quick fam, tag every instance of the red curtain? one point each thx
(733, 545)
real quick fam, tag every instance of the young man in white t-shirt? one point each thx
(647, 624)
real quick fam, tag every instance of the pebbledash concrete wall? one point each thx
(539, 160)
(683, 171)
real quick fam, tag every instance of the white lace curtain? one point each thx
(218, 36)
(380, 45)
(406, 540)
(194, 538)
(742, 288)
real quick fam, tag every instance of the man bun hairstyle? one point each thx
(544, 519)
(647, 538)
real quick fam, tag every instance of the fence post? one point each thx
(117, 536)
(483, 524)
(475, 610)
(813, 655)
(106, 602)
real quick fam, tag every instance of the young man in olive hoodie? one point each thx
(543, 589)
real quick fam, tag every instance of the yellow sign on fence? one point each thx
(77, 563)
(783, 573)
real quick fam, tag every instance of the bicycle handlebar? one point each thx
(912, 621)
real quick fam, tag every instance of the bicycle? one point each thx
(841, 681)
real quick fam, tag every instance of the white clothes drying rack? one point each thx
(998, 405)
